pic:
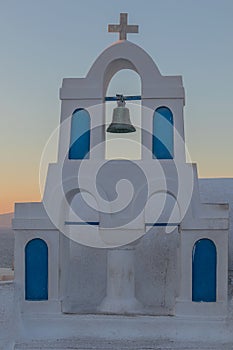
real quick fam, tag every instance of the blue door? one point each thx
(204, 271)
(80, 135)
(36, 270)
(163, 134)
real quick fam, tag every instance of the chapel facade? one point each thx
(163, 252)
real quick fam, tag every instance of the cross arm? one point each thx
(133, 28)
(113, 28)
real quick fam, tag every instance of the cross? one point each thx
(123, 28)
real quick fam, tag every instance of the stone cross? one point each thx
(123, 28)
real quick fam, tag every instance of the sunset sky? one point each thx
(44, 41)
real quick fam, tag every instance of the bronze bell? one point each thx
(121, 120)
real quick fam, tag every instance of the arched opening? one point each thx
(204, 262)
(83, 208)
(82, 218)
(163, 138)
(80, 135)
(128, 145)
(36, 270)
(162, 209)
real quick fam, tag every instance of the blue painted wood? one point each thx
(80, 135)
(163, 138)
(36, 270)
(96, 223)
(204, 271)
(80, 223)
(126, 98)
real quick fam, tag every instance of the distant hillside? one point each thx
(6, 240)
(5, 220)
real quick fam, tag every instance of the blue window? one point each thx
(80, 135)
(36, 270)
(204, 271)
(163, 139)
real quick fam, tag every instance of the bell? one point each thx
(121, 120)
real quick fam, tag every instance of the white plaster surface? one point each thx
(220, 191)
(7, 314)
(155, 276)
(84, 279)
(105, 344)
(120, 332)
(6, 274)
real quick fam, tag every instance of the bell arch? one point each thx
(163, 134)
(162, 208)
(84, 205)
(127, 82)
(36, 270)
(131, 57)
(117, 66)
(80, 134)
(204, 265)
(82, 217)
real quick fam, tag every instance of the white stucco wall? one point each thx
(220, 191)
(7, 315)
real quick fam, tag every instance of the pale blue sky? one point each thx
(44, 41)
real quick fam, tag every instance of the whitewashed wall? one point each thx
(7, 315)
(220, 191)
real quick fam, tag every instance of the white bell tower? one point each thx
(122, 234)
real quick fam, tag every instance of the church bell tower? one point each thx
(122, 236)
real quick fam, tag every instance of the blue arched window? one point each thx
(163, 138)
(204, 271)
(36, 270)
(80, 135)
